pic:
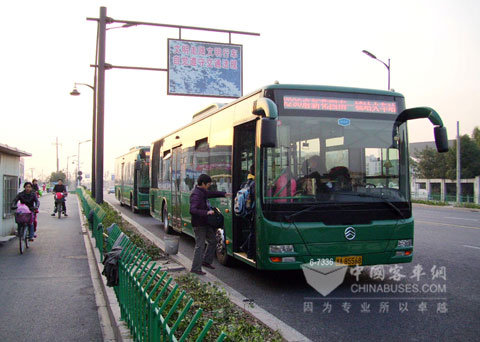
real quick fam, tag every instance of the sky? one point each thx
(47, 46)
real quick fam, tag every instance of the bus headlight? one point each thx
(274, 249)
(405, 243)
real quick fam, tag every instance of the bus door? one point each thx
(243, 158)
(176, 200)
(136, 179)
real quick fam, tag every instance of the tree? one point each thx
(430, 164)
(469, 156)
(476, 135)
(55, 176)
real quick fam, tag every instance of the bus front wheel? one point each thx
(221, 249)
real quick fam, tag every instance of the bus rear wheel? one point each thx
(166, 225)
(221, 248)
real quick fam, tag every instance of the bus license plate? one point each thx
(349, 260)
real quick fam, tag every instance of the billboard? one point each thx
(204, 69)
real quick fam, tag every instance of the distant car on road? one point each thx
(111, 190)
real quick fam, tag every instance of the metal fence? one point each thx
(153, 308)
(438, 198)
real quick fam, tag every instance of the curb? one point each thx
(113, 328)
(7, 238)
(287, 332)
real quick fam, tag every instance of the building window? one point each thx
(10, 184)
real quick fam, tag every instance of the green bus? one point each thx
(132, 178)
(332, 174)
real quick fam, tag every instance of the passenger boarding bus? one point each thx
(132, 178)
(331, 174)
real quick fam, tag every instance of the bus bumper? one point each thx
(293, 261)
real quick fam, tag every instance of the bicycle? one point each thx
(23, 220)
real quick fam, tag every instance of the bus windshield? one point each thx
(336, 158)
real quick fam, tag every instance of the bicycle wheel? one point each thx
(59, 210)
(22, 234)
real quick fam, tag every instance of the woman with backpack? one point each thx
(248, 214)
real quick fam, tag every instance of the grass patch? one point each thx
(467, 205)
(229, 318)
(443, 204)
(113, 216)
(437, 203)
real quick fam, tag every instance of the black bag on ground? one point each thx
(215, 220)
(110, 262)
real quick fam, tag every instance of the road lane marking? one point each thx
(476, 247)
(461, 218)
(447, 224)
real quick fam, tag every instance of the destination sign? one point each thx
(339, 105)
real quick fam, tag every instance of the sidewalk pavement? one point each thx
(47, 293)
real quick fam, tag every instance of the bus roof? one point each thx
(216, 107)
(332, 88)
(134, 149)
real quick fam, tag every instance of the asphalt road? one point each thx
(46, 294)
(434, 298)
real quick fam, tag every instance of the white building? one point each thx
(11, 175)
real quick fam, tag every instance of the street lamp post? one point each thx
(369, 54)
(78, 160)
(67, 165)
(75, 92)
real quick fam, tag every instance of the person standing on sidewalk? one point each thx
(200, 209)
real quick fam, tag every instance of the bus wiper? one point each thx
(288, 218)
(385, 200)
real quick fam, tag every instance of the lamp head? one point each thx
(369, 54)
(75, 92)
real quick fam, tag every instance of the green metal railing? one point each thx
(150, 305)
(448, 198)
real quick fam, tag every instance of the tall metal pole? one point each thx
(388, 67)
(100, 106)
(94, 125)
(459, 166)
(78, 165)
(58, 166)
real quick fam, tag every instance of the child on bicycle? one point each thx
(29, 198)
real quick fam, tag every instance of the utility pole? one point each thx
(459, 166)
(100, 105)
(56, 145)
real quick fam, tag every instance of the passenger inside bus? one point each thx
(285, 186)
(340, 179)
(311, 183)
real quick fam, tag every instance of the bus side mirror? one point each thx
(268, 132)
(441, 139)
(440, 132)
(265, 107)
